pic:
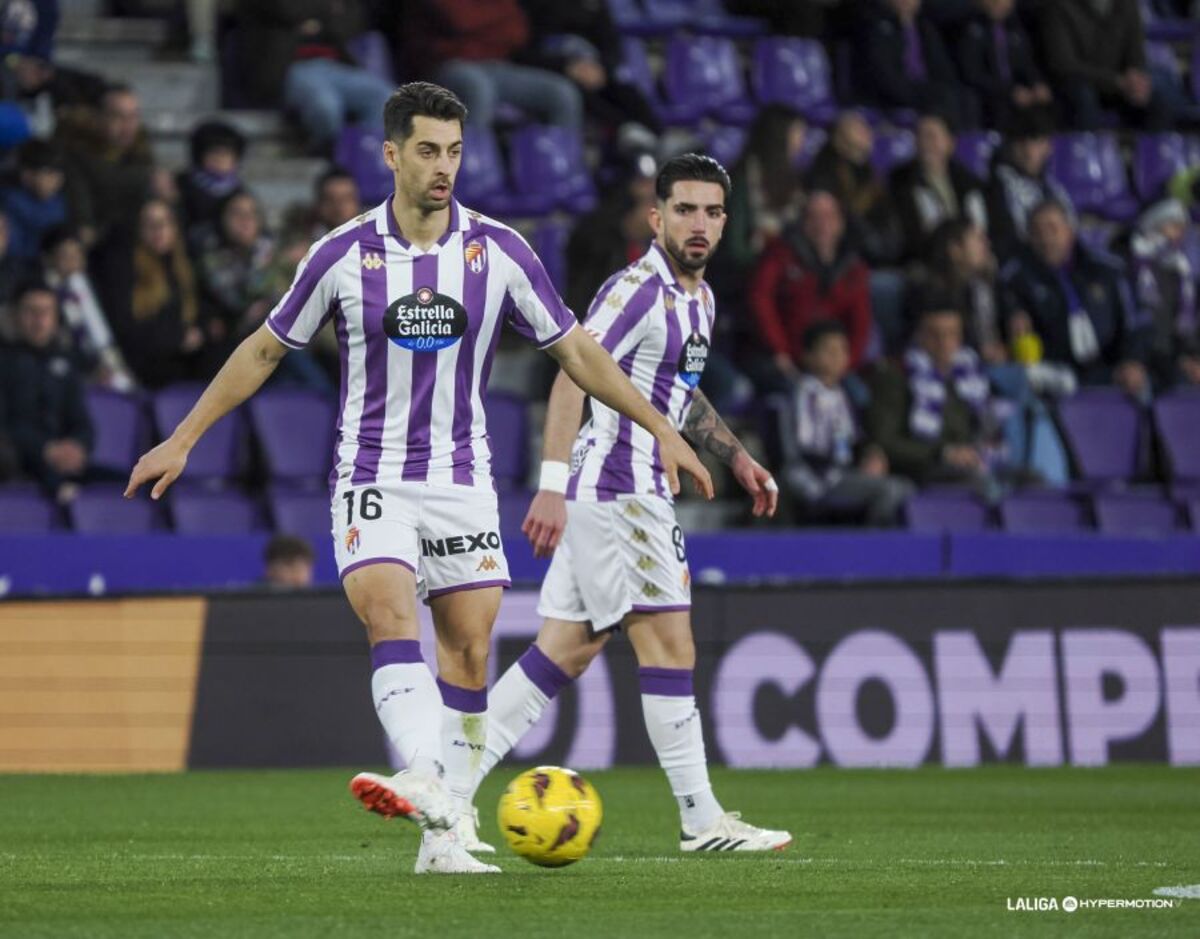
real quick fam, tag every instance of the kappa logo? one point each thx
(475, 254)
(633, 510)
(372, 261)
(646, 563)
(460, 544)
(488, 564)
(651, 590)
(353, 539)
(640, 536)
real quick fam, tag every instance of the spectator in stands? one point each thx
(1165, 292)
(11, 271)
(69, 93)
(293, 55)
(34, 200)
(337, 201)
(232, 267)
(46, 417)
(934, 186)
(809, 274)
(27, 28)
(1077, 303)
(98, 355)
(1021, 180)
(214, 173)
(150, 294)
(830, 471)
(288, 562)
(995, 58)
(468, 45)
(843, 167)
(934, 417)
(1096, 52)
(902, 62)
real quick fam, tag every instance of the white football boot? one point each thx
(420, 799)
(441, 853)
(467, 831)
(730, 833)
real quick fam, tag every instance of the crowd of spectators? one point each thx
(909, 323)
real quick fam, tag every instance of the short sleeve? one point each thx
(617, 318)
(302, 311)
(537, 311)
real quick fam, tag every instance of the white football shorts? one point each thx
(615, 558)
(449, 536)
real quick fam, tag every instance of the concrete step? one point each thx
(112, 30)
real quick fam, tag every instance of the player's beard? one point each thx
(678, 252)
(428, 204)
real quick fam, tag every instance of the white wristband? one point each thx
(554, 476)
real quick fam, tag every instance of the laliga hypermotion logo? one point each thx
(353, 539)
(476, 257)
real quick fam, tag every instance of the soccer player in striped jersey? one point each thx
(417, 290)
(607, 517)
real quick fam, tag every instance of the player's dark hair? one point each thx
(423, 99)
(287, 548)
(819, 332)
(690, 167)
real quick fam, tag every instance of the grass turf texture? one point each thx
(928, 852)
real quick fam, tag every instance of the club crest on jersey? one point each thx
(692, 359)
(475, 254)
(353, 539)
(425, 321)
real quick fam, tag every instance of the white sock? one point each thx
(408, 704)
(464, 730)
(673, 722)
(515, 703)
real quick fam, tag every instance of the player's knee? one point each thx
(386, 619)
(575, 659)
(467, 659)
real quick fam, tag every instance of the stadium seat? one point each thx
(1043, 513)
(725, 143)
(1101, 427)
(296, 512)
(974, 150)
(795, 73)
(295, 430)
(508, 433)
(482, 182)
(359, 151)
(549, 241)
(196, 512)
(1193, 511)
(549, 170)
(1133, 513)
(120, 429)
(893, 148)
(104, 510)
(632, 20)
(372, 52)
(219, 454)
(946, 511)
(513, 503)
(24, 510)
(1090, 168)
(1156, 158)
(1166, 29)
(1177, 420)
(634, 69)
(704, 77)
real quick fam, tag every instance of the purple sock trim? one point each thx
(540, 670)
(468, 700)
(395, 652)
(676, 682)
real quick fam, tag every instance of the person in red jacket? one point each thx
(807, 275)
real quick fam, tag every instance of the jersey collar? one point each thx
(657, 258)
(385, 224)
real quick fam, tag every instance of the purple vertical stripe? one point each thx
(664, 383)
(424, 375)
(616, 473)
(343, 340)
(676, 682)
(323, 258)
(637, 306)
(395, 652)
(370, 425)
(474, 302)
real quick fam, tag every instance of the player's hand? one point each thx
(754, 478)
(164, 463)
(545, 521)
(676, 455)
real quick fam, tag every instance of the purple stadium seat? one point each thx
(955, 511)
(1177, 419)
(1090, 168)
(306, 514)
(24, 510)
(725, 143)
(120, 427)
(195, 512)
(372, 52)
(704, 77)
(1043, 513)
(1131, 513)
(893, 148)
(103, 510)
(508, 433)
(359, 151)
(795, 73)
(1166, 29)
(220, 451)
(974, 150)
(1193, 511)
(295, 429)
(513, 503)
(1101, 427)
(482, 182)
(550, 171)
(634, 68)
(1156, 158)
(549, 241)
(632, 20)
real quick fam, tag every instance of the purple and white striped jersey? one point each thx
(659, 335)
(417, 331)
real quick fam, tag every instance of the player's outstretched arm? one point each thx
(597, 373)
(703, 427)
(243, 373)
(547, 516)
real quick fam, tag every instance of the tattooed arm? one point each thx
(703, 427)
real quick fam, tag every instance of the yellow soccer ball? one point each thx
(550, 816)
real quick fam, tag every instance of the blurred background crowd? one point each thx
(961, 255)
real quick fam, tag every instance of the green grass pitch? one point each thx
(931, 852)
